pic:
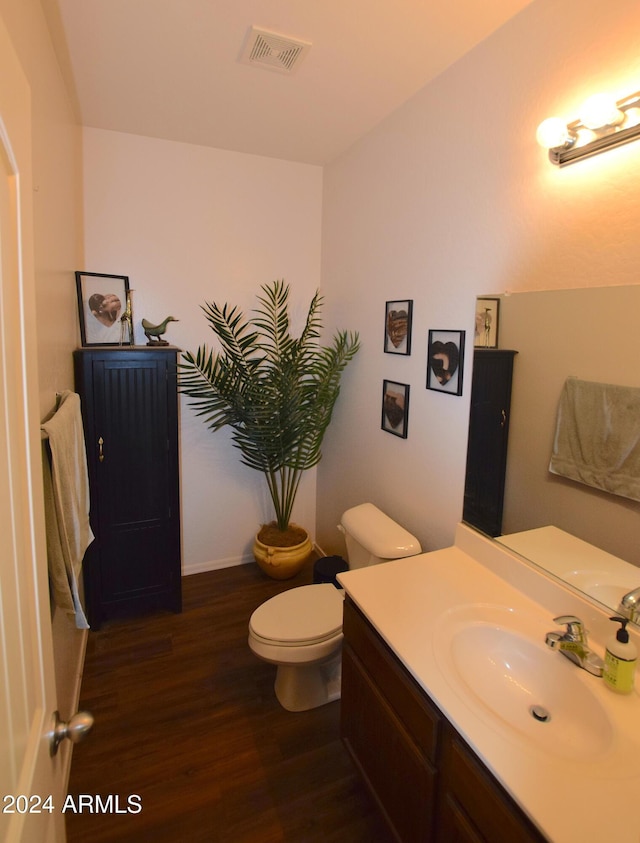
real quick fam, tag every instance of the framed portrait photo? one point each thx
(397, 327)
(102, 300)
(445, 361)
(487, 321)
(395, 408)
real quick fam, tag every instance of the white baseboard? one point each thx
(230, 562)
(216, 564)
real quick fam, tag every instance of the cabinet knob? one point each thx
(503, 419)
(100, 451)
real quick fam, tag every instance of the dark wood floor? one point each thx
(186, 719)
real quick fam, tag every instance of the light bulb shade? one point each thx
(599, 111)
(553, 133)
(603, 124)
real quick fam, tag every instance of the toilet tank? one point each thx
(372, 537)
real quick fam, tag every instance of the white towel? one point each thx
(66, 487)
(597, 440)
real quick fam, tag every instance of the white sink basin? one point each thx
(522, 685)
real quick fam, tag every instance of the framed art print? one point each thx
(397, 327)
(487, 320)
(395, 408)
(445, 360)
(102, 300)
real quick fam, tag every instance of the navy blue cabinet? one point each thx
(130, 416)
(488, 436)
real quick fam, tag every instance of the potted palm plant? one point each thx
(277, 394)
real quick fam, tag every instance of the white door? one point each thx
(28, 775)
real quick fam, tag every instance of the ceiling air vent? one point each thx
(273, 51)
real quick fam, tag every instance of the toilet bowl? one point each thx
(300, 630)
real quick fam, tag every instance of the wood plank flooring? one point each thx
(186, 719)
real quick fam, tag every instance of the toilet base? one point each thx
(303, 687)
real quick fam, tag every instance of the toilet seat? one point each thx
(308, 614)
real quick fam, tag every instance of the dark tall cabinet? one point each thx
(130, 416)
(488, 435)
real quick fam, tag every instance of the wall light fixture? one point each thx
(602, 124)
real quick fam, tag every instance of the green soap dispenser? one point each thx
(620, 660)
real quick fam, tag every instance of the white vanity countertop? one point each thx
(603, 576)
(411, 601)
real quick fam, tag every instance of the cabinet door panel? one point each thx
(132, 479)
(474, 793)
(400, 778)
(131, 419)
(454, 825)
(419, 717)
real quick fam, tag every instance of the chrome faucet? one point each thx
(630, 605)
(573, 644)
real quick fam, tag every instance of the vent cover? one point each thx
(273, 51)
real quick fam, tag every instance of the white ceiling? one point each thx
(170, 68)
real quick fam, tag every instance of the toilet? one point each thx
(300, 630)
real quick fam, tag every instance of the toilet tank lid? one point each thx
(379, 534)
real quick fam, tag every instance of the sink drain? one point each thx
(540, 713)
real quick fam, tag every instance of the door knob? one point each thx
(75, 730)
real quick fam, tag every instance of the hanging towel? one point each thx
(66, 492)
(597, 439)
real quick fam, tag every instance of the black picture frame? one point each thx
(102, 301)
(395, 408)
(445, 361)
(487, 322)
(398, 318)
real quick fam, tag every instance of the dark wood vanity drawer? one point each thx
(401, 779)
(418, 716)
(474, 805)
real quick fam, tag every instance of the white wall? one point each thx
(450, 198)
(189, 224)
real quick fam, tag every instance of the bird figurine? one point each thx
(154, 332)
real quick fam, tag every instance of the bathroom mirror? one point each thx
(591, 334)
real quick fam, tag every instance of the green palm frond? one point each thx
(275, 392)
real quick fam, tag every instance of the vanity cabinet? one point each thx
(390, 730)
(130, 416)
(488, 436)
(429, 785)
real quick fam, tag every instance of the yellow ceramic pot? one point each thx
(282, 563)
